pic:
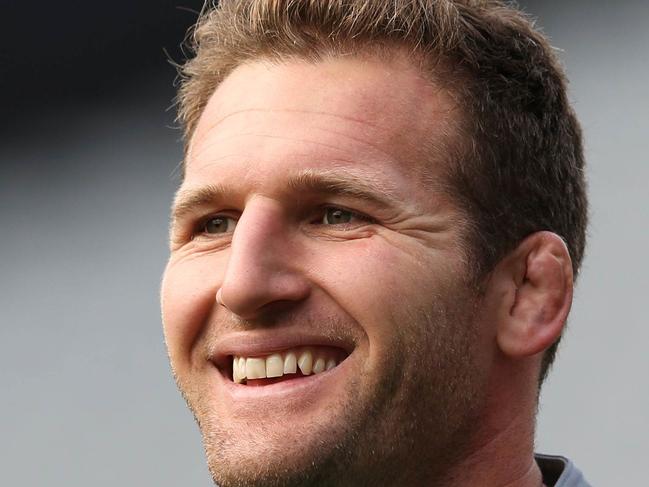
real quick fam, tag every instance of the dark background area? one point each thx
(88, 166)
(57, 54)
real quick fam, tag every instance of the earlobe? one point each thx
(539, 272)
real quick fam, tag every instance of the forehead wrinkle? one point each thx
(203, 133)
(360, 141)
(216, 159)
(336, 148)
(269, 136)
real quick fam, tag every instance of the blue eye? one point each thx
(219, 224)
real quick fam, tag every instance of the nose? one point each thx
(261, 268)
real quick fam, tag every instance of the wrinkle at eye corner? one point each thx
(189, 250)
(341, 235)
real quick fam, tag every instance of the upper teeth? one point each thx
(278, 364)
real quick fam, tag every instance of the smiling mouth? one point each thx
(291, 364)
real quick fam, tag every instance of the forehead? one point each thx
(337, 111)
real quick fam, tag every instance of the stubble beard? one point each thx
(409, 428)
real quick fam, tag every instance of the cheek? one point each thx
(371, 280)
(387, 287)
(188, 296)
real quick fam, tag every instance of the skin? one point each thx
(440, 379)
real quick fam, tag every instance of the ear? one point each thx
(535, 283)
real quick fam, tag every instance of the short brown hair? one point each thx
(519, 165)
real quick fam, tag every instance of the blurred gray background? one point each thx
(88, 166)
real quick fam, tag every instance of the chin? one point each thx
(312, 453)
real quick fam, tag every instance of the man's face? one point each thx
(303, 230)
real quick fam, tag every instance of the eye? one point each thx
(340, 216)
(219, 224)
(336, 216)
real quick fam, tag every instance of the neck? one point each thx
(501, 451)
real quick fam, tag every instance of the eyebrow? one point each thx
(323, 182)
(187, 201)
(343, 183)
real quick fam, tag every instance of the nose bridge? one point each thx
(258, 270)
(260, 226)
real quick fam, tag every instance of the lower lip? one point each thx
(304, 386)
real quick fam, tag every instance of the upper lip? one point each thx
(264, 342)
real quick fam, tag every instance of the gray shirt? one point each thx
(560, 472)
